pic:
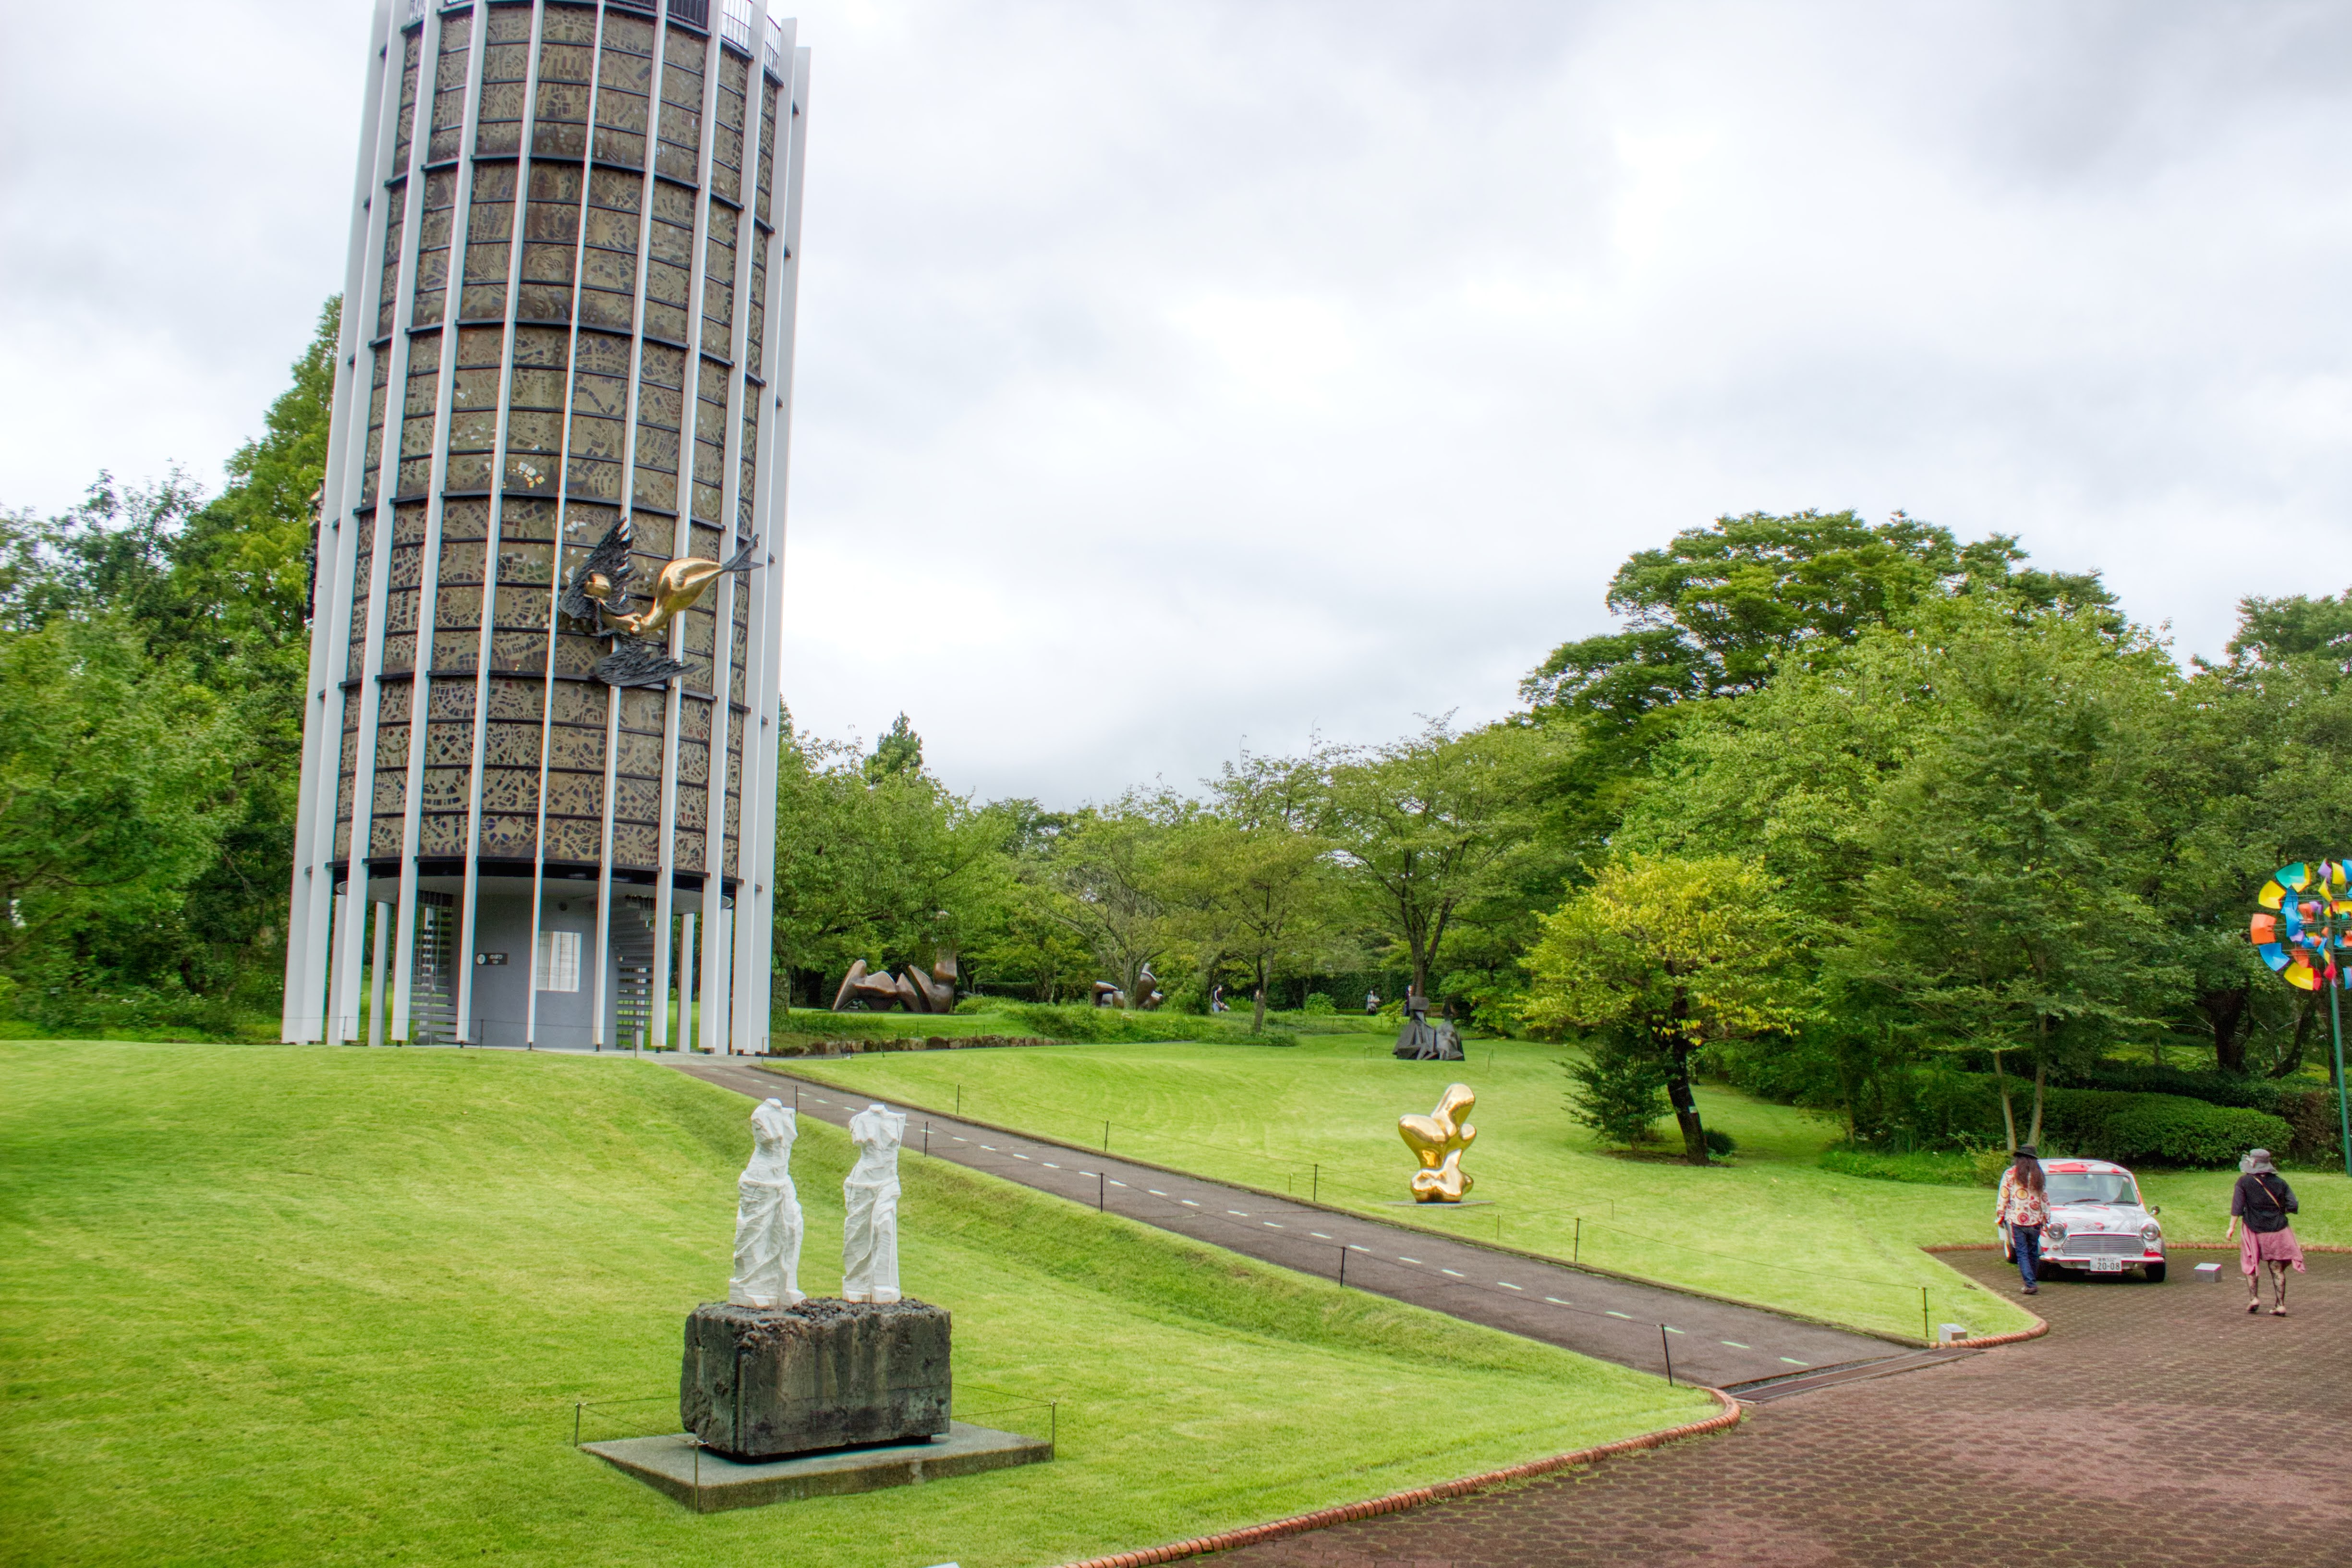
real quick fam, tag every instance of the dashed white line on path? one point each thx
(1188, 1203)
(1412, 1260)
(1049, 1165)
(1792, 1360)
(1238, 1213)
(1627, 1316)
(1155, 1192)
(1734, 1344)
(1670, 1329)
(1353, 1247)
(1318, 1235)
(1507, 1285)
(1018, 1156)
(1114, 1181)
(1270, 1224)
(1555, 1300)
(1455, 1272)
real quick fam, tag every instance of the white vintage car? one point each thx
(2097, 1225)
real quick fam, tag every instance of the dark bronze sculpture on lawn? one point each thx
(600, 586)
(919, 993)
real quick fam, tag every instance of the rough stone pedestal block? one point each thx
(759, 1382)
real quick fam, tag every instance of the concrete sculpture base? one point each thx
(711, 1484)
(767, 1383)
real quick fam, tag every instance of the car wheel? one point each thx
(2154, 1272)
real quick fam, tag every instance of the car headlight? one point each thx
(2152, 1233)
(2053, 1231)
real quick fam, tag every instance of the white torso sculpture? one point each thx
(870, 1232)
(768, 1215)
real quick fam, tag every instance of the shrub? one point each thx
(1317, 1004)
(1619, 1092)
(1718, 1141)
(2314, 1133)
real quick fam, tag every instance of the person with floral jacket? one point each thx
(2023, 1208)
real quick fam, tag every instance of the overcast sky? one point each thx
(1177, 377)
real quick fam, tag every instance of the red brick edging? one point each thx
(1397, 1502)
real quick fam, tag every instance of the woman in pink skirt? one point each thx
(2261, 1202)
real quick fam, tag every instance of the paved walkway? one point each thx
(1612, 1319)
(2153, 1425)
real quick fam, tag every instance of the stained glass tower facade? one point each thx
(569, 299)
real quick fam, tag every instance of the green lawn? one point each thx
(319, 1305)
(1771, 1227)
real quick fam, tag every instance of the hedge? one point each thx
(1956, 1108)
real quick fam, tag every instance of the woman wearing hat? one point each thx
(2261, 1202)
(2023, 1208)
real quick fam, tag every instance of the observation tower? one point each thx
(540, 742)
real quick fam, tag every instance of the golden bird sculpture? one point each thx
(1438, 1141)
(600, 587)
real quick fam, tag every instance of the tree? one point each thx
(884, 867)
(1112, 871)
(898, 752)
(1424, 828)
(1665, 956)
(1259, 872)
(1720, 609)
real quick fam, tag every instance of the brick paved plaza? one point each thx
(2153, 1425)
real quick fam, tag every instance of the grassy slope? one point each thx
(1771, 1227)
(324, 1306)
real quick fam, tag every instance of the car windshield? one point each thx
(2091, 1187)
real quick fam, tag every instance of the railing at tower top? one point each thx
(735, 23)
(696, 13)
(776, 50)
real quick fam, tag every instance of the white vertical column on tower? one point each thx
(717, 953)
(628, 503)
(682, 534)
(753, 923)
(381, 917)
(562, 505)
(306, 1013)
(387, 479)
(428, 593)
(516, 227)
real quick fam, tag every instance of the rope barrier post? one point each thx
(1577, 1255)
(1923, 1316)
(1105, 1137)
(576, 1408)
(959, 1099)
(1666, 1346)
(927, 1137)
(1315, 1186)
(1099, 1180)
(1343, 1265)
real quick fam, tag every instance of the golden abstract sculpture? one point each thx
(1438, 1141)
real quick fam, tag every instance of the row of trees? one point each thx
(1422, 856)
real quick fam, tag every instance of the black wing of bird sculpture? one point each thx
(635, 663)
(609, 560)
(744, 560)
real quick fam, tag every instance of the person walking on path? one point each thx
(2023, 1208)
(2261, 1201)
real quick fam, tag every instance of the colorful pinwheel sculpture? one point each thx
(2304, 925)
(2306, 921)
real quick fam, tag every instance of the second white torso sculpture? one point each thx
(768, 1215)
(869, 1231)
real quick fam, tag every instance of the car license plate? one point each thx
(2106, 1265)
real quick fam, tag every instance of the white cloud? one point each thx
(1173, 374)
